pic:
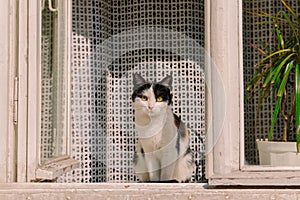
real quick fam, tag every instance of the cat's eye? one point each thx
(144, 98)
(159, 99)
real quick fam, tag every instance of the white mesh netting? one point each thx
(111, 40)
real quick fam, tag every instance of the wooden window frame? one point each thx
(21, 85)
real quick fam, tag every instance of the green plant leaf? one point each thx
(280, 41)
(264, 45)
(291, 24)
(274, 54)
(288, 69)
(261, 14)
(298, 140)
(274, 119)
(279, 98)
(257, 48)
(256, 78)
(290, 10)
(268, 78)
(297, 95)
(280, 66)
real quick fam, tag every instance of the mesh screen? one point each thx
(257, 125)
(110, 42)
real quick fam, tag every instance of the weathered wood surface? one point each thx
(48, 191)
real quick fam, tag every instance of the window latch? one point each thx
(15, 100)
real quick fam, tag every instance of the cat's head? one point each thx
(151, 98)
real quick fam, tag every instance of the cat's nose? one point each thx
(150, 107)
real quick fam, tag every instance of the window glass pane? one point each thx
(258, 123)
(54, 80)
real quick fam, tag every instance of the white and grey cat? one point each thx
(162, 152)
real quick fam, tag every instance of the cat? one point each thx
(162, 153)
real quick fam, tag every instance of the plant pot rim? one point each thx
(277, 146)
(278, 153)
(272, 141)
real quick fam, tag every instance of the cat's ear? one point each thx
(167, 81)
(138, 80)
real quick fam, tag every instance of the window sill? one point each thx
(257, 178)
(138, 191)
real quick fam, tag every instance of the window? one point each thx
(54, 149)
(55, 68)
(40, 82)
(228, 161)
(105, 154)
(107, 47)
(257, 124)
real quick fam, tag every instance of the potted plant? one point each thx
(279, 67)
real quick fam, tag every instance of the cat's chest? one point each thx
(153, 143)
(165, 138)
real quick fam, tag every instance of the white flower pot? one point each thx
(278, 153)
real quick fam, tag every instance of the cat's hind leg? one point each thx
(185, 167)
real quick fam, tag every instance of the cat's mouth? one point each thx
(151, 112)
